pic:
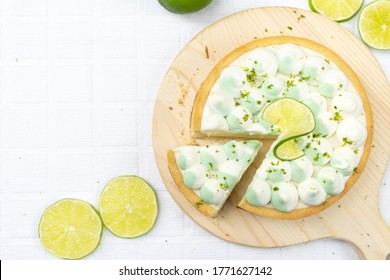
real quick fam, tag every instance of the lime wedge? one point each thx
(128, 206)
(374, 24)
(293, 119)
(338, 10)
(70, 229)
(184, 6)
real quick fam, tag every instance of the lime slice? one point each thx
(293, 119)
(374, 24)
(128, 206)
(70, 229)
(184, 6)
(338, 10)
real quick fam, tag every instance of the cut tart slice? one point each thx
(206, 175)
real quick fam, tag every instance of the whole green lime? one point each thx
(184, 6)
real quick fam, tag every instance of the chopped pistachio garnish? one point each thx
(317, 157)
(270, 86)
(327, 60)
(245, 117)
(275, 189)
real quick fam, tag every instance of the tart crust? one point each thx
(187, 192)
(200, 101)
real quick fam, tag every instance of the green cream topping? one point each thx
(206, 195)
(251, 197)
(314, 104)
(298, 174)
(226, 180)
(182, 162)
(326, 90)
(208, 160)
(189, 178)
(321, 129)
(249, 103)
(231, 150)
(284, 65)
(278, 201)
(275, 174)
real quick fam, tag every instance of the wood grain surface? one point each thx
(355, 218)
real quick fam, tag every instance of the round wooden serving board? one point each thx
(355, 218)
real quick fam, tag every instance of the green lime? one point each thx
(128, 206)
(293, 119)
(338, 10)
(70, 229)
(374, 24)
(184, 6)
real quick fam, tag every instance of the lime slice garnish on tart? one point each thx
(293, 119)
(128, 206)
(70, 229)
(374, 24)
(338, 10)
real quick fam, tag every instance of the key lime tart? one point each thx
(296, 93)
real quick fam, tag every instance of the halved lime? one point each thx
(338, 10)
(374, 24)
(293, 119)
(184, 6)
(128, 206)
(70, 229)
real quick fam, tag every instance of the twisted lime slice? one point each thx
(293, 119)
